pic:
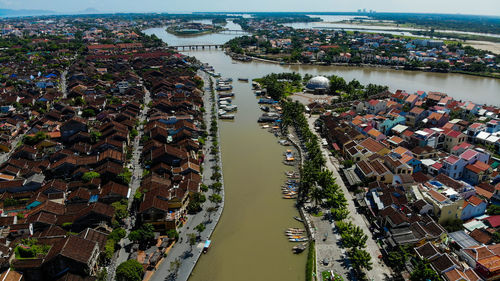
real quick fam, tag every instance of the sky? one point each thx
(478, 7)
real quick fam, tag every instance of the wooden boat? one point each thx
(295, 236)
(227, 116)
(298, 218)
(243, 79)
(296, 232)
(299, 248)
(297, 239)
(295, 229)
(289, 196)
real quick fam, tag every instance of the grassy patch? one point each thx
(318, 214)
(311, 262)
(326, 275)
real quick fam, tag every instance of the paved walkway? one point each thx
(379, 271)
(187, 255)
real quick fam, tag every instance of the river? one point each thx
(249, 243)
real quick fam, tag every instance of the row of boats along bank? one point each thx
(225, 98)
(270, 120)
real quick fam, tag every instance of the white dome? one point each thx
(318, 82)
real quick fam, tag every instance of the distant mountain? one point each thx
(24, 13)
(89, 11)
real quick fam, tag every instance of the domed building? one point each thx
(318, 84)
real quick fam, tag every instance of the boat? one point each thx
(284, 142)
(221, 112)
(289, 196)
(298, 218)
(226, 95)
(265, 108)
(295, 229)
(228, 99)
(227, 116)
(224, 80)
(259, 93)
(230, 107)
(255, 85)
(297, 239)
(243, 79)
(299, 248)
(206, 246)
(224, 88)
(266, 101)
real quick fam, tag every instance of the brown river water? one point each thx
(249, 242)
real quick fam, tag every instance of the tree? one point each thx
(316, 195)
(174, 266)
(361, 259)
(88, 113)
(172, 233)
(200, 228)
(143, 234)
(130, 270)
(339, 214)
(354, 238)
(211, 210)
(216, 187)
(88, 176)
(215, 198)
(398, 258)
(117, 234)
(121, 209)
(424, 272)
(192, 240)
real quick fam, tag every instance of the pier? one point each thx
(196, 47)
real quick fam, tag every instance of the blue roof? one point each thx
(93, 198)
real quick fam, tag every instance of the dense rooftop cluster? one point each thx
(283, 43)
(427, 167)
(74, 100)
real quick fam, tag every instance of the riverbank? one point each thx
(365, 65)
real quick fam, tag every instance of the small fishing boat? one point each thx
(297, 239)
(265, 108)
(299, 248)
(296, 232)
(224, 80)
(298, 218)
(224, 87)
(226, 95)
(289, 196)
(243, 79)
(227, 116)
(295, 229)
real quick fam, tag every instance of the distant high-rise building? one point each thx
(359, 10)
(364, 10)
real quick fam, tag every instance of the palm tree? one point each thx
(360, 259)
(317, 195)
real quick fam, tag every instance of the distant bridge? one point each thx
(233, 31)
(196, 46)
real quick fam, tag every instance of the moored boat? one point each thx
(299, 248)
(298, 218)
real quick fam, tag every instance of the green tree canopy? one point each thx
(130, 270)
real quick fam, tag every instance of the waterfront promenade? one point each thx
(183, 252)
(380, 271)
